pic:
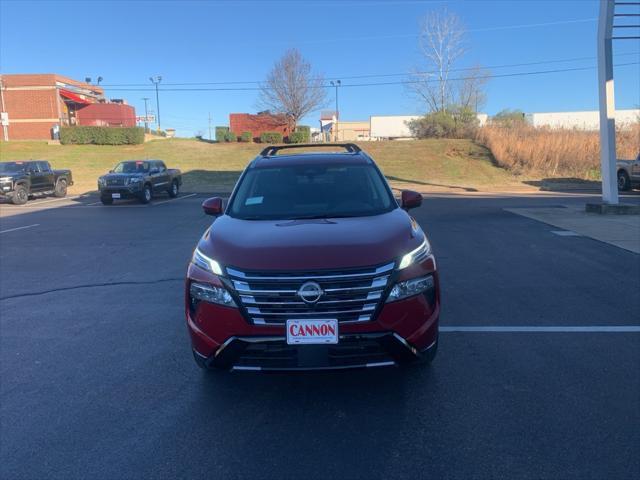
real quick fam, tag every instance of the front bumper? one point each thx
(133, 191)
(366, 350)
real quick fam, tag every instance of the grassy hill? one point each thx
(207, 167)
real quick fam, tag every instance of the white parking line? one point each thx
(175, 199)
(549, 329)
(19, 228)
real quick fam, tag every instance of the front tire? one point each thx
(20, 195)
(624, 182)
(174, 189)
(61, 188)
(146, 195)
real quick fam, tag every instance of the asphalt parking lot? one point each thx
(97, 378)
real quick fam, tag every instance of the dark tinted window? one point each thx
(44, 166)
(137, 166)
(301, 191)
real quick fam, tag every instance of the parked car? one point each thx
(628, 174)
(141, 179)
(313, 264)
(20, 180)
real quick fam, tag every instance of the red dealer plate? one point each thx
(312, 331)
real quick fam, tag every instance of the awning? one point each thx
(74, 97)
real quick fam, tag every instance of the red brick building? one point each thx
(35, 103)
(258, 124)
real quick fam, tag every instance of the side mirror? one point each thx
(410, 199)
(212, 206)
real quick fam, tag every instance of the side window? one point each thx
(33, 167)
(161, 166)
(44, 166)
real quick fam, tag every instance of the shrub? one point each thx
(508, 118)
(306, 132)
(220, 133)
(453, 123)
(271, 137)
(246, 137)
(297, 137)
(230, 137)
(101, 135)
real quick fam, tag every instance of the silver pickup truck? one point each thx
(628, 174)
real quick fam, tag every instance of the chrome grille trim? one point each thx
(350, 296)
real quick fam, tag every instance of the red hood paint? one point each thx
(310, 244)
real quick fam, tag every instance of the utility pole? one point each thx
(146, 115)
(209, 126)
(336, 84)
(156, 81)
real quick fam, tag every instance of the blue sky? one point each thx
(224, 41)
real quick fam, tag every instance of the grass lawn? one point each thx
(210, 167)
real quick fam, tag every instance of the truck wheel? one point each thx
(106, 200)
(20, 195)
(61, 188)
(174, 189)
(146, 195)
(624, 183)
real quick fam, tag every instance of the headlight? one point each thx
(206, 263)
(416, 255)
(133, 181)
(409, 288)
(5, 179)
(211, 294)
(101, 181)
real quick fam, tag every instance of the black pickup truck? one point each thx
(140, 179)
(21, 179)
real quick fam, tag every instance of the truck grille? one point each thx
(347, 295)
(116, 182)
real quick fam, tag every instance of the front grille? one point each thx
(348, 295)
(116, 182)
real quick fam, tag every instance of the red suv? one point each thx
(312, 265)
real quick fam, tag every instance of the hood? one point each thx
(12, 174)
(310, 244)
(117, 176)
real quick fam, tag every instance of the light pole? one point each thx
(156, 81)
(146, 115)
(336, 84)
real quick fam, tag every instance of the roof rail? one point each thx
(273, 149)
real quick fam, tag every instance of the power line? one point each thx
(378, 75)
(401, 82)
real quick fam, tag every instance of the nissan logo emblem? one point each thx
(310, 292)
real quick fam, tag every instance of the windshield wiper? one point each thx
(324, 215)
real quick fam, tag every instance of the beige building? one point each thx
(350, 131)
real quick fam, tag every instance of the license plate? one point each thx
(115, 195)
(312, 331)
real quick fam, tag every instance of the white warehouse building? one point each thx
(589, 120)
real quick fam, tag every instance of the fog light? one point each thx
(408, 288)
(211, 294)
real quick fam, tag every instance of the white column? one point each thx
(607, 104)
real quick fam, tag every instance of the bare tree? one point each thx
(469, 92)
(292, 89)
(442, 43)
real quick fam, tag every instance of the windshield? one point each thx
(12, 167)
(132, 167)
(303, 191)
